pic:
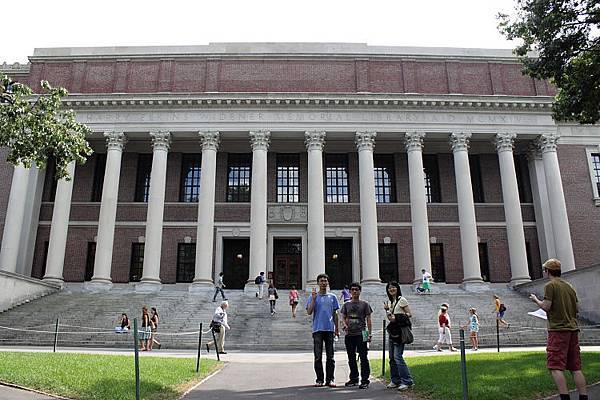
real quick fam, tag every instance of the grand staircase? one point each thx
(88, 319)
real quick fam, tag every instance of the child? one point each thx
(473, 327)
(444, 329)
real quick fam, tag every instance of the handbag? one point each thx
(406, 335)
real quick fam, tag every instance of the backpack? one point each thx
(258, 280)
(502, 308)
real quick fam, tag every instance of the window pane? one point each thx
(239, 167)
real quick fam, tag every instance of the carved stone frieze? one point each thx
(297, 213)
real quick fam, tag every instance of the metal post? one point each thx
(215, 342)
(498, 334)
(55, 336)
(383, 350)
(199, 347)
(137, 359)
(463, 365)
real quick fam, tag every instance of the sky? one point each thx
(433, 23)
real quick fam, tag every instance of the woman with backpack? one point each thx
(500, 309)
(273, 296)
(398, 314)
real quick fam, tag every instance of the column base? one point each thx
(518, 280)
(372, 286)
(477, 286)
(201, 286)
(98, 285)
(148, 286)
(55, 280)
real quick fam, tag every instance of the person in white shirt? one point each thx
(219, 285)
(218, 325)
(426, 284)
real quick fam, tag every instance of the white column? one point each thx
(466, 210)
(315, 140)
(541, 206)
(418, 203)
(31, 220)
(150, 281)
(206, 212)
(556, 198)
(258, 205)
(369, 242)
(512, 209)
(115, 141)
(13, 223)
(60, 228)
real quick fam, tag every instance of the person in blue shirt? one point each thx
(323, 307)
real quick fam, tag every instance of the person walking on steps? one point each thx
(398, 313)
(445, 336)
(562, 352)
(260, 284)
(218, 326)
(500, 309)
(219, 285)
(294, 300)
(154, 321)
(323, 307)
(273, 296)
(356, 323)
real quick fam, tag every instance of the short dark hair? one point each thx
(322, 276)
(355, 285)
(554, 272)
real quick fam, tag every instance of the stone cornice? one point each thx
(13, 68)
(537, 104)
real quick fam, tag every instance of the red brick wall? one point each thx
(264, 74)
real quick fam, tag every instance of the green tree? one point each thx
(565, 35)
(35, 127)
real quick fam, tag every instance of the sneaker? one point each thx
(331, 384)
(222, 352)
(391, 385)
(453, 349)
(404, 387)
(318, 384)
(363, 386)
(351, 383)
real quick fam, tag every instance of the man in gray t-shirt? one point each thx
(356, 322)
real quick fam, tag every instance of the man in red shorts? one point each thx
(562, 352)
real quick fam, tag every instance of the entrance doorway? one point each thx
(287, 263)
(338, 262)
(236, 262)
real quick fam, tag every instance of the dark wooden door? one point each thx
(338, 262)
(286, 272)
(236, 262)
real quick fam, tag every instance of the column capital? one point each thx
(314, 140)
(161, 140)
(365, 140)
(259, 140)
(209, 140)
(460, 141)
(504, 141)
(115, 140)
(414, 141)
(533, 151)
(547, 142)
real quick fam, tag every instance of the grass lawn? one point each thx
(493, 376)
(95, 376)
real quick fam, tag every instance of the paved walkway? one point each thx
(10, 393)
